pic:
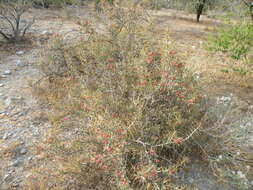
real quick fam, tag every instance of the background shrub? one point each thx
(53, 3)
(234, 39)
(154, 4)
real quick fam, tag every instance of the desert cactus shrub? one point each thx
(138, 108)
(13, 28)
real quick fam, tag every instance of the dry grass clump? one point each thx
(233, 159)
(10, 151)
(127, 113)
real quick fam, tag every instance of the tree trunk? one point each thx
(200, 7)
(251, 9)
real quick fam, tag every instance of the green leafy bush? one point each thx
(234, 39)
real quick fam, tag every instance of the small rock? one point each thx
(20, 52)
(191, 180)
(7, 72)
(45, 32)
(28, 175)
(2, 111)
(15, 184)
(19, 63)
(7, 177)
(223, 99)
(11, 171)
(197, 75)
(41, 156)
(1, 84)
(5, 137)
(15, 163)
(18, 98)
(23, 151)
(241, 175)
(8, 101)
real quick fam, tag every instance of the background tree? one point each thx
(194, 6)
(251, 9)
(200, 4)
(11, 27)
(249, 3)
